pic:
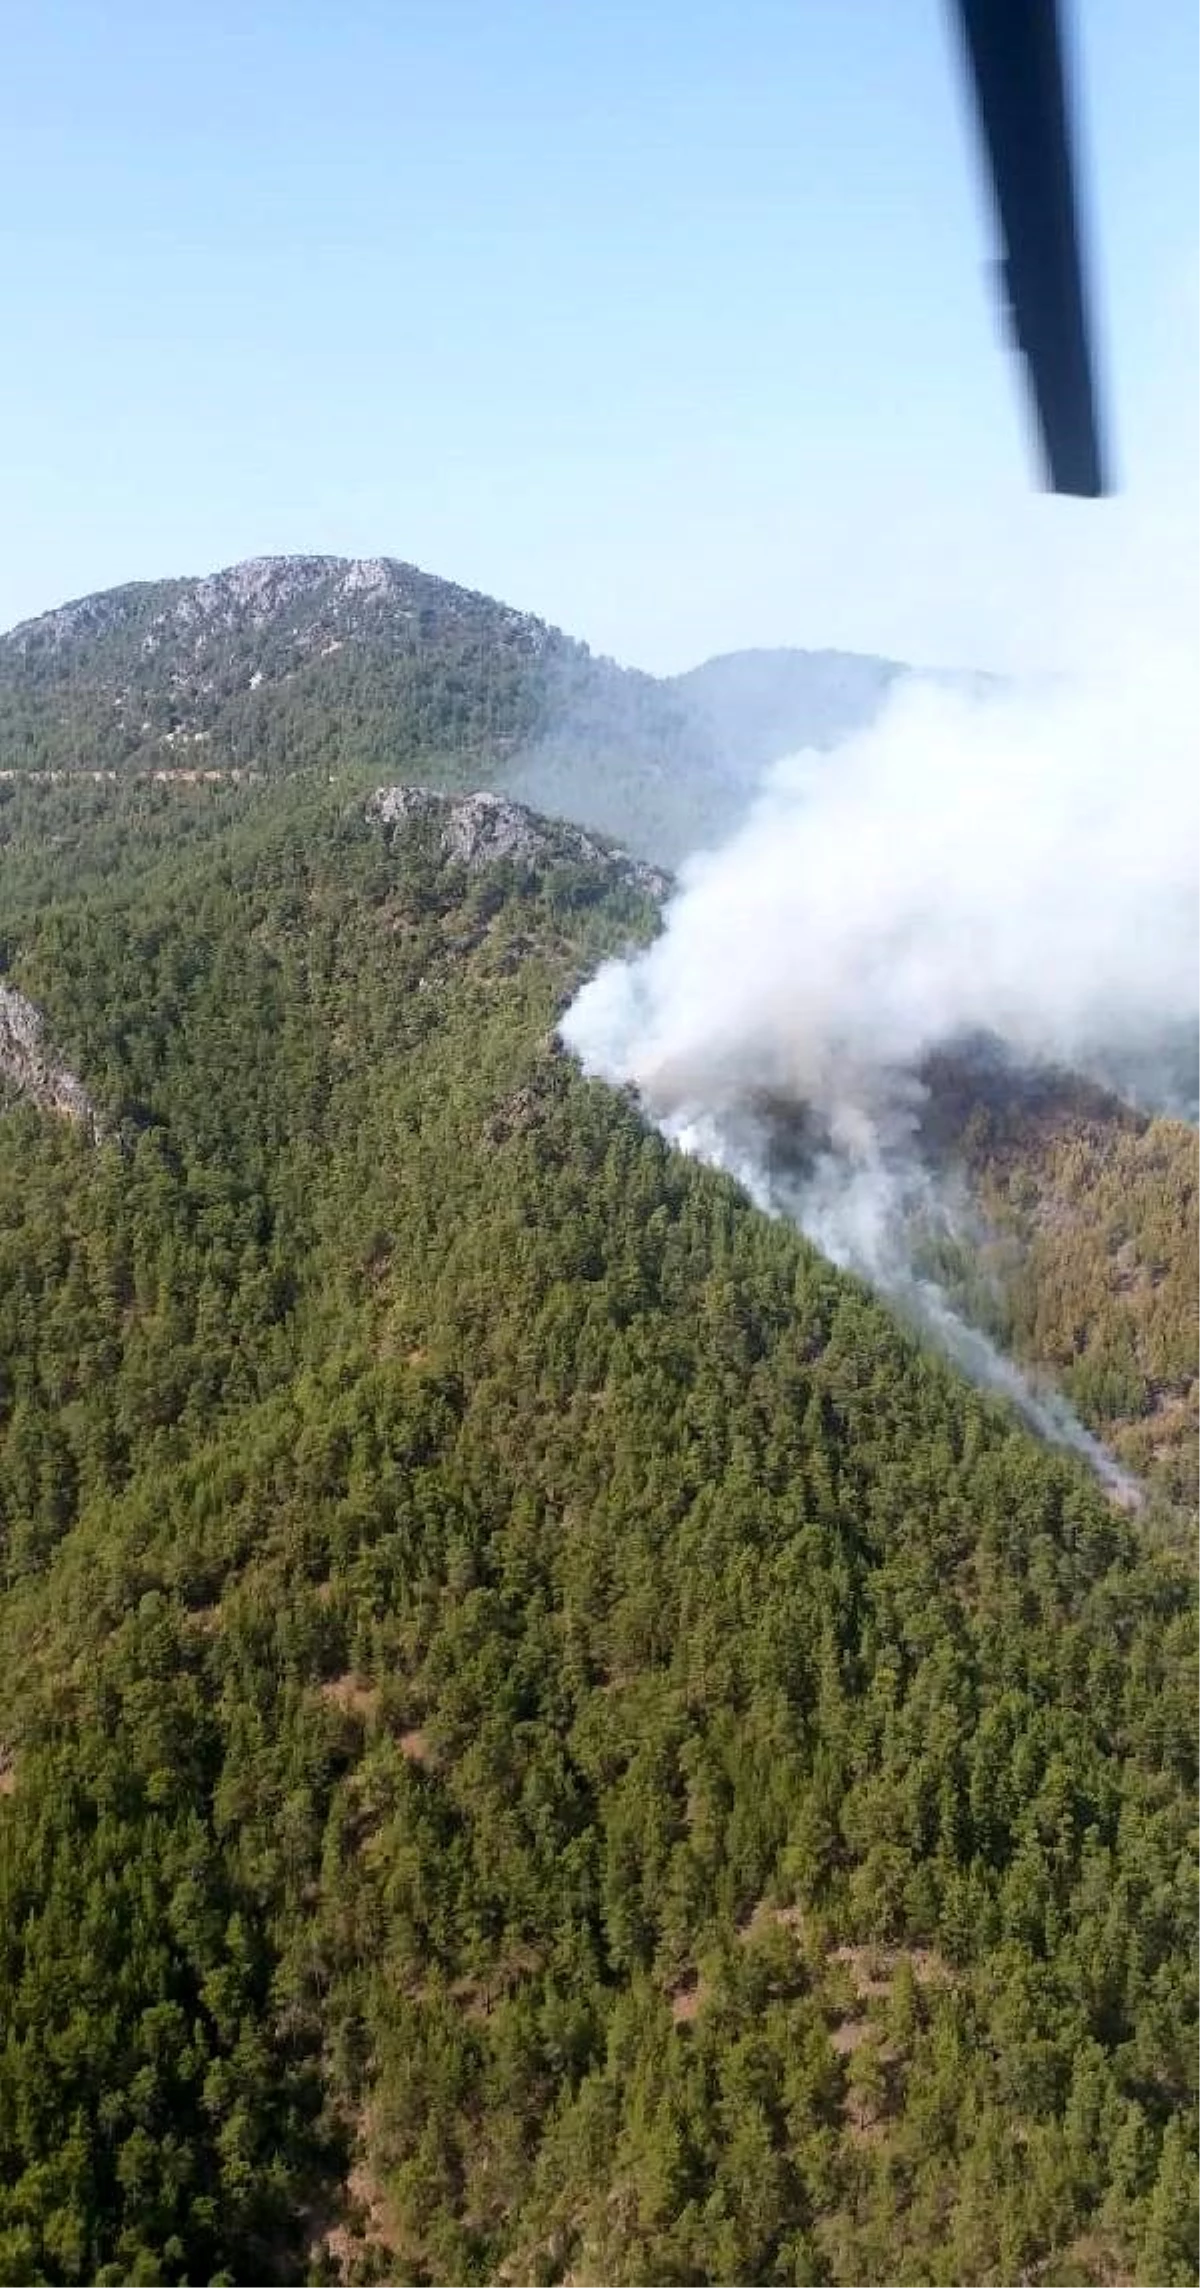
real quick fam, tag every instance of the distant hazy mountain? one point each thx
(759, 705)
(287, 664)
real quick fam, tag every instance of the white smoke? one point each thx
(1021, 863)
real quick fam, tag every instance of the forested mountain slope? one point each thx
(281, 664)
(287, 664)
(294, 664)
(1082, 1260)
(543, 1737)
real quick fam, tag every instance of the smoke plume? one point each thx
(1019, 864)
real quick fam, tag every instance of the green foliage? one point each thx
(540, 1729)
(1087, 1266)
(303, 665)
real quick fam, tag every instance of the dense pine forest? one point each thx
(309, 663)
(292, 665)
(1082, 1260)
(542, 1736)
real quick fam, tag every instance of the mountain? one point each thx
(671, 782)
(1079, 1258)
(542, 1735)
(282, 664)
(288, 664)
(305, 665)
(292, 664)
(760, 705)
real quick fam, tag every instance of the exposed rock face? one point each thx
(330, 599)
(29, 1066)
(480, 829)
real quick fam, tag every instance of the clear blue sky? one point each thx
(667, 321)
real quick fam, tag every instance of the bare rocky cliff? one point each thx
(29, 1067)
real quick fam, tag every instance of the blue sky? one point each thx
(668, 322)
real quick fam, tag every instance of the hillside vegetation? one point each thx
(543, 1737)
(1084, 1264)
(281, 665)
(294, 664)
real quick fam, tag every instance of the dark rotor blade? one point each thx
(1014, 50)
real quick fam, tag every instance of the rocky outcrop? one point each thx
(314, 602)
(29, 1067)
(479, 830)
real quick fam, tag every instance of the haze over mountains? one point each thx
(290, 663)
